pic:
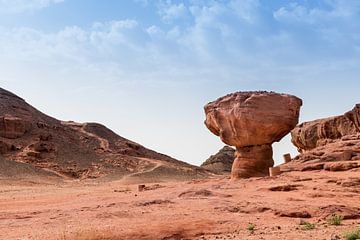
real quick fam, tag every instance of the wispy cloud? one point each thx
(169, 11)
(334, 10)
(220, 40)
(20, 6)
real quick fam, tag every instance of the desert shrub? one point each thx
(251, 228)
(353, 235)
(308, 226)
(335, 220)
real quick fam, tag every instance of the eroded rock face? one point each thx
(252, 121)
(309, 135)
(13, 127)
(331, 144)
(354, 116)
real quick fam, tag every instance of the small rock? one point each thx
(141, 187)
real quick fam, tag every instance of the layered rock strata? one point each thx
(331, 143)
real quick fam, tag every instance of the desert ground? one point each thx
(280, 207)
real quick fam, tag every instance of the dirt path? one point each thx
(139, 173)
(104, 144)
(63, 176)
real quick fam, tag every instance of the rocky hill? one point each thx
(34, 144)
(221, 162)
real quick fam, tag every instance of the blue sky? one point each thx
(146, 68)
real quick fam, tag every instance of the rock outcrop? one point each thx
(310, 135)
(13, 127)
(221, 162)
(332, 143)
(252, 121)
(76, 150)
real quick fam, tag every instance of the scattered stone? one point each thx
(293, 214)
(341, 166)
(346, 212)
(335, 237)
(141, 187)
(351, 182)
(126, 190)
(312, 167)
(153, 187)
(302, 179)
(287, 157)
(201, 193)
(154, 202)
(285, 188)
(274, 171)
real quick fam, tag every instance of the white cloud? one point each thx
(154, 31)
(218, 42)
(293, 12)
(169, 11)
(245, 9)
(336, 10)
(20, 6)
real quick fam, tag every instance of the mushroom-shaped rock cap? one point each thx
(252, 118)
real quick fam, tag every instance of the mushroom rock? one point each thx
(252, 121)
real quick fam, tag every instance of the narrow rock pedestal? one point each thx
(252, 161)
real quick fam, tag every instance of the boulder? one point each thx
(252, 121)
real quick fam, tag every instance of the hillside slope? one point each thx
(76, 150)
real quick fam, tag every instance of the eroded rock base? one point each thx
(252, 161)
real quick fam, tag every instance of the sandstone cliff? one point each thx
(331, 143)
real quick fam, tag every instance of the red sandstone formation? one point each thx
(332, 143)
(252, 121)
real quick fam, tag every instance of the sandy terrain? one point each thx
(200, 209)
